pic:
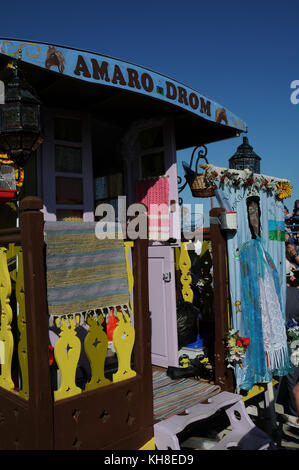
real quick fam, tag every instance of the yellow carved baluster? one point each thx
(177, 253)
(96, 345)
(67, 352)
(22, 326)
(129, 245)
(204, 247)
(185, 265)
(6, 337)
(11, 261)
(123, 341)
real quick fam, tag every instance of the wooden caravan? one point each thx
(111, 130)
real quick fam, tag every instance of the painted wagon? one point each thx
(111, 132)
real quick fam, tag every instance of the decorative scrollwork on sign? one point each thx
(19, 50)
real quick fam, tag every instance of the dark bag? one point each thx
(187, 315)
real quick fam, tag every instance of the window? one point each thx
(150, 138)
(68, 162)
(69, 190)
(68, 129)
(151, 148)
(68, 159)
(108, 166)
(153, 165)
(67, 169)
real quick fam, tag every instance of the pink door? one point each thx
(162, 306)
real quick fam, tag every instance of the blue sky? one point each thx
(242, 55)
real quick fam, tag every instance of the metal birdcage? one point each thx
(8, 188)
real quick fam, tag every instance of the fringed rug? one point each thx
(83, 272)
(174, 396)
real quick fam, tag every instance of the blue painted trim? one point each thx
(116, 73)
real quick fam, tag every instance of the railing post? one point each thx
(40, 400)
(223, 375)
(142, 358)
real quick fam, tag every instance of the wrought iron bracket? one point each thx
(202, 153)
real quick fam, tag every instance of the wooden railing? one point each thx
(13, 308)
(32, 414)
(25, 393)
(68, 347)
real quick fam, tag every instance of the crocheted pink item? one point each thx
(154, 194)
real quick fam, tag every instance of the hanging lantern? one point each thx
(20, 128)
(245, 157)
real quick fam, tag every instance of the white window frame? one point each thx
(47, 186)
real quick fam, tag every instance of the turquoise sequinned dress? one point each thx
(267, 354)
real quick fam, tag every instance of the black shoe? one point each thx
(205, 370)
(176, 373)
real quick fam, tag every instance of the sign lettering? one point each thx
(145, 81)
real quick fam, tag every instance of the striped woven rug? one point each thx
(174, 396)
(83, 272)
